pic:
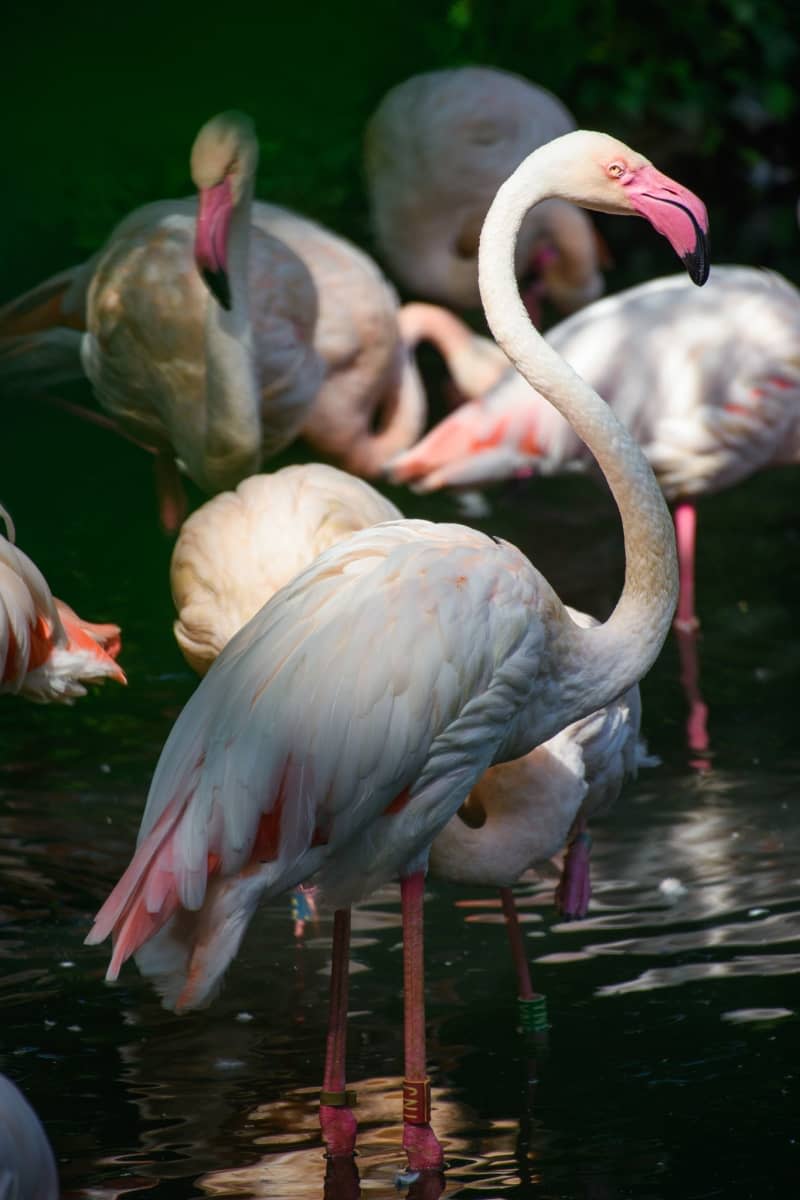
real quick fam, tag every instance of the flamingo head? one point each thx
(598, 172)
(223, 162)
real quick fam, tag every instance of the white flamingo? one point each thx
(338, 732)
(437, 148)
(47, 652)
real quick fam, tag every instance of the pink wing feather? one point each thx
(343, 691)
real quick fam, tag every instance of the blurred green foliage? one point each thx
(104, 101)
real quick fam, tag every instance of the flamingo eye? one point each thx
(615, 170)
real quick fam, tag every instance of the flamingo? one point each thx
(303, 335)
(47, 652)
(351, 717)
(27, 1167)
(437, 148)
(241, 547)
(522, 813)
(708, 382)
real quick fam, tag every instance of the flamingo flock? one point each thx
(380, 696)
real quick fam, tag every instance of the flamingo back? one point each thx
(144, 352)
(238, 549)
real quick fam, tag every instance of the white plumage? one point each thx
(707, 381)
(521, 812)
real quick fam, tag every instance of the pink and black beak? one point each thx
(676, 213)
(211, 240)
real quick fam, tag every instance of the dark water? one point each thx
(671, 1065)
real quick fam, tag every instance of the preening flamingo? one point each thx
(27, 1167)
(217, 382)
(301, 334)
(437, 148)
(47, 652)
(522, 813)
(235, 551)
(339, 731)
(708, 382)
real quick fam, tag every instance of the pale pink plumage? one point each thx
(342, 727)
(238, 549)
(437, 148)
(47, 652)
(707, 381)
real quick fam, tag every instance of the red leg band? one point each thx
(417, 1101)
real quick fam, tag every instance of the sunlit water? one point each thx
(671, 1065)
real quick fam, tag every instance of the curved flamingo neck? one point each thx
(620, 651)
(232, 441)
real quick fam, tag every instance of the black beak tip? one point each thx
(698, 261)
(217, 284)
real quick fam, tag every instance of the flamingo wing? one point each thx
(363, 700)
(484, 440)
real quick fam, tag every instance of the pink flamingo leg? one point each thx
(685, 518)
(172, 503)
(531, 1005)
(524, 986)
(341, 1180)
(337, 1121)
(419, 1141)
(686, 627)
(575, 888)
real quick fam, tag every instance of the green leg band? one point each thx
(533, 1014)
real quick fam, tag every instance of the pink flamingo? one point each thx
(47, 652)
(338, 732)
(706, 381)
(437, 148)
(302, 337)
